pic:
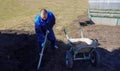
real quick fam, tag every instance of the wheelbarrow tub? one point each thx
(83, 48)
(83, 45)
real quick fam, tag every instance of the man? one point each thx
(43, 22)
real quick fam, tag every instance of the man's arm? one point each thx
(52, 21)
(39, 34)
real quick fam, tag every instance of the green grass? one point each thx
(19, 14)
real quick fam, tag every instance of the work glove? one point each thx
(43, 44)
(56, 47)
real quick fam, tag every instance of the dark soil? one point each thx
(19, 50)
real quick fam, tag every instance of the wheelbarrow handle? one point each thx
(66, 34)
(81, 32)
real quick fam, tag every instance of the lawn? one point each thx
(19, 14)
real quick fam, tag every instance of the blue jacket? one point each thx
(41, 27)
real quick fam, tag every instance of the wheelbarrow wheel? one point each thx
(69, 60)
(94, 58)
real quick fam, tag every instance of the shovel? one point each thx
(43, 47)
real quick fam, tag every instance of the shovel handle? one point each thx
(41, 54)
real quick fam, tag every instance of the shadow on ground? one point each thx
(19, 52)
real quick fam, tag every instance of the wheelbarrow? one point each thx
(42, 51)
(82, 49)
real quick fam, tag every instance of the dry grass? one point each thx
(19, 14)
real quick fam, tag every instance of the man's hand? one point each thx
(43, 44)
